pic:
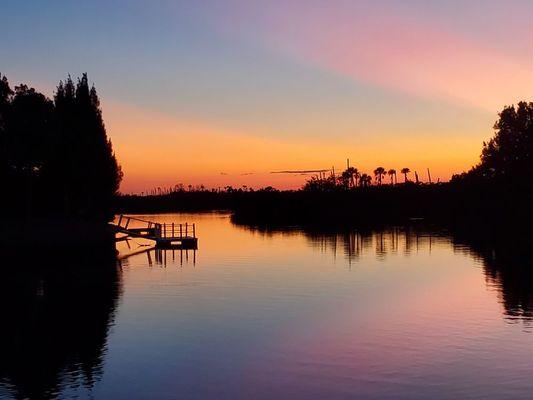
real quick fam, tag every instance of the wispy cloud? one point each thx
(383, 44)
(301, 172)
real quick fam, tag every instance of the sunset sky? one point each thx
(225, 92)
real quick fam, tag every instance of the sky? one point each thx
(225, 92)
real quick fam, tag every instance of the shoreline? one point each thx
(48, 233)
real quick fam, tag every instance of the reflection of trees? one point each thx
(508, 268)
(354, 243)
(507, 264)
(378, 243)
(56, 313)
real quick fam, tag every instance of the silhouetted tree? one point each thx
(348, 177)
(26, 117)
(365, 180)
(379, 172)
(6, 94)
(344, 179)
(356, 176)
(84, 169)
(321, 183)
(28, 131)
(508, 156)
(405, 171)
(392, 174)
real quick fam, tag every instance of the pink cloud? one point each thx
(387, 47)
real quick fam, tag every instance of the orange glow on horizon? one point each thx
(156, 150)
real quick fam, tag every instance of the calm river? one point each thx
(401, 313)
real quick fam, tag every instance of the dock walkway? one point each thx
(164, 235)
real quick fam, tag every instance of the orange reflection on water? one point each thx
(397, 312)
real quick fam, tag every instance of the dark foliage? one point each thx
(55, 157)
(507, 158)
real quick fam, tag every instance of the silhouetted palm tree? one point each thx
(351, 174)
(405, 171)
(356, 177)
(348, 178)
(379, 172)
(392, 174)
(344, 179)
(365, 180)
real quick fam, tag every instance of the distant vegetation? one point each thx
(494, 193)
(55, 157)
(351, 178)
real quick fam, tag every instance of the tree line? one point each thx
(494, 193)
(55, 157)
(352, 178)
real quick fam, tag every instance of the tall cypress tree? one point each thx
(85, 170)
(55, 157)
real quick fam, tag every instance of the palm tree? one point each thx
(379, 172)
(356, 176)
(365, 180)
(392, 174)
(405, 171)
(344, 179)
(348, 178)
(352, 174)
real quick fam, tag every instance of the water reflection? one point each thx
(57, 310)
(507, 264)
(508, 269)
(162, 257)
(379, 243)
(399, 312)
(355, 243)
(165, 256)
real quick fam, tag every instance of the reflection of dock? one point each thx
(173, 255)
(160, 256)
(181, 236)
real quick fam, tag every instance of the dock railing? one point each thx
(173, 230)
(170, 230)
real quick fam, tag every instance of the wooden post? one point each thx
(173, 229)
(164, 230)
(193, 230)
(186, 229)
(181, 230)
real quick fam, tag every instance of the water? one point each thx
(401, 313)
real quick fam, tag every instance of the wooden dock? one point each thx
(164, 235)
